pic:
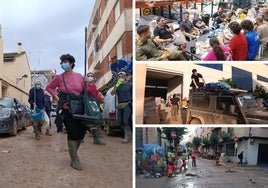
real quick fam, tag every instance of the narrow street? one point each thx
(207, 175)
(26, 162)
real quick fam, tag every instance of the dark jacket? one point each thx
(36, 96)
(47, 102)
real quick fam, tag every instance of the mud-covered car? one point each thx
(231, 106)
(12, 116)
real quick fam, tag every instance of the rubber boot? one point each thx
(96, 137)
(128, 135)
(100, 132)
(40, 128)
(36, 132)
(73, 147)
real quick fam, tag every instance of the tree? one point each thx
(230, 82)
(227, 136)
(196, 142)
(214, 139)
(206, 143)
(259, 92)
(189, 144)
(180, 131)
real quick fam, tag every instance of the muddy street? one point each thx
(207, 175)
(26, 162)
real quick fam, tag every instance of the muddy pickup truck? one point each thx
(230, 106)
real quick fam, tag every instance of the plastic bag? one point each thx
(46, 121)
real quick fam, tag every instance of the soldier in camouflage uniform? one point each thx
(148, 49)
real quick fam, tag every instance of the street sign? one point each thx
(235, 139)
(173, 134)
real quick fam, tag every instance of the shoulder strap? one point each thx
(65, 84)
(68, 94)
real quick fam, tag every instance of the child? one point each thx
(193, 159)
(171, 166)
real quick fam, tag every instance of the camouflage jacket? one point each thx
(148, 50)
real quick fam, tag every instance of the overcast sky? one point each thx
(47, 29)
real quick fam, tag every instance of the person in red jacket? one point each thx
(193, 159)
(238, 43)
(92, 90)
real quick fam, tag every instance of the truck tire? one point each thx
(195, 121)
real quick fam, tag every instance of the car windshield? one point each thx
(6, 102)
(247, 101)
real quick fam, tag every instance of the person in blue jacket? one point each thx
(36, 100)
(252, 39)
(117, 65)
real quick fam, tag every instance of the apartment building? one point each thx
(252, 140)
(109, 34)
(15, 77)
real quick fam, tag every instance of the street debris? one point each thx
(192, 175)
(5, 151)
(252, 181)
(149, 175)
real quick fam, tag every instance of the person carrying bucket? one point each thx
(36, 100)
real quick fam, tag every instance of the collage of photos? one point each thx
(134, 94)
(201, 94)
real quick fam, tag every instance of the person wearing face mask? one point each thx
(71, 84)
(123, 89)
(36, 100)
(92, 90)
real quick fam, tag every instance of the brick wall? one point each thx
(125, 5)
(127, 42)
(104, 68)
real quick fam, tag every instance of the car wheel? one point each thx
(195, 121)
(15, 128)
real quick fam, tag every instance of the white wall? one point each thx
(250, 150)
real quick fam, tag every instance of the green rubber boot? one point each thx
(73, 147)
(97, 138)
(36, 132)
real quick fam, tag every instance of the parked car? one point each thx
(27, 114)
(12, 115)
(230, 106)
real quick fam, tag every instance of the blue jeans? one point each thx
(124, 115)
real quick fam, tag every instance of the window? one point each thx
(117, 10)
(201, 101)
(226, 104)
(246, 101)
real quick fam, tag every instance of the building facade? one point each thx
(15, 77)
(252, 140)
(163, 80)
(148, 135)
(109, 34)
